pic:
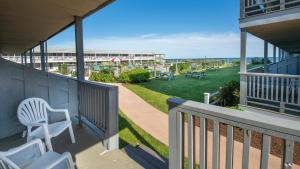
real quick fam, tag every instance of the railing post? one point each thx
(176, 135)
(111, 141)
(265, 56)
(282, 4)
(282, 107)
(243, 69)
(174, 147)
(206, 98)
(242, 9)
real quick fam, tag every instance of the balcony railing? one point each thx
(98, 104)
(277, 88)
(258, 7)
(269, 125)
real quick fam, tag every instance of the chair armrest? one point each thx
(7, 162)
(66, 111)
(65, 156)
(26, 145)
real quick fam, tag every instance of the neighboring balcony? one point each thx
(250, 8)
(275, 21)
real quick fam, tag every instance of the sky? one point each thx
(177, 28)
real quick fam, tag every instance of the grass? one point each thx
(130, 133)
(156, 92)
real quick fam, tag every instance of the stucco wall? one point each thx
(18, 82)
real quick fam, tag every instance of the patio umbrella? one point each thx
(116, 59)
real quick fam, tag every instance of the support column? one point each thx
(46, 56)
(265, 56)
(25, 58)
(274, 54)
(79, 49)
(279, 54)
(22, 58)
(79, 60)
(30, 58)
(243, 68)
(42, 53)
(33, 58)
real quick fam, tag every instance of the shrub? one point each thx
(124, 77)
(134, 76)
(236, 62)
(102, 77)
(230, 94)
(63, 69)
(256, 61)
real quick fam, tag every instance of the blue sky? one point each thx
(178, 28)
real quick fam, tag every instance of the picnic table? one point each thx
(197, 75)
(166, 75)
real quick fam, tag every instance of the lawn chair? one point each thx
(203, 75)
(32, 155)
(188, 74)
(196, 75)
(33, 113)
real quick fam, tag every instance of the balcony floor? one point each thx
(87, 152)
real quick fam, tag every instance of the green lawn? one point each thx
(156, 91)
(130, 133)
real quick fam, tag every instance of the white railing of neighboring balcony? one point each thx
(281, 88)
(258, 7)
(269, 125)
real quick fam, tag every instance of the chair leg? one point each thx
(48, 143)
(71, 134)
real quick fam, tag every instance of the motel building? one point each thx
(56, 57)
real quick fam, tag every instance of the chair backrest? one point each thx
(33, 110)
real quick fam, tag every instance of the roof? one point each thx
(25, 23)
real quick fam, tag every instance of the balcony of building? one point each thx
(276, 21)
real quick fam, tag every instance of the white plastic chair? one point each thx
(32, 155)
(33, 113)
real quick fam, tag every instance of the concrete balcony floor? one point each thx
(88, 151)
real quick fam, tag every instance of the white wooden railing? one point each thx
(269, 125)
(258, 7)
(281, 88)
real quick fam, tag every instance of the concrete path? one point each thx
(143, 114)
(156, 123)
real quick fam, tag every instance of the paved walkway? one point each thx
(156, 123)
(143, 114)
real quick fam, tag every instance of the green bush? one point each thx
(134, 76)
(229, 94)
(236, 62)
(63, 69)
(124, 77)
(102, 77)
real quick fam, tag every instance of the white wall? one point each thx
(18, 82)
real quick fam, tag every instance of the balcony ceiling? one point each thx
(283, 34)
(24, 23)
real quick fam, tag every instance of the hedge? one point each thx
(134, 76)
